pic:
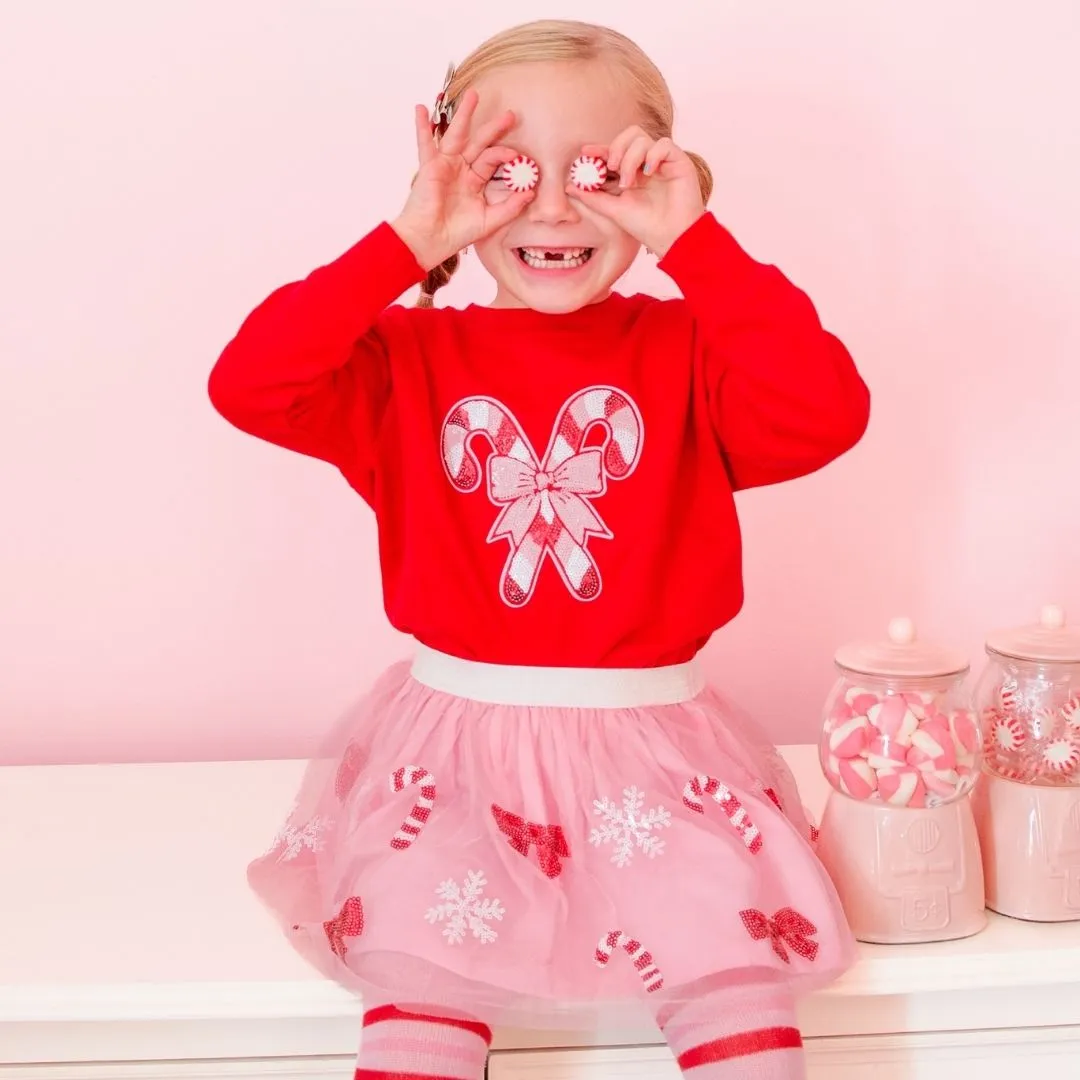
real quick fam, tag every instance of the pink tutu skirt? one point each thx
(542, 847)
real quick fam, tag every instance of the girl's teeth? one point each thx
(564, 259)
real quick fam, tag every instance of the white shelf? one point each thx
(129, 934)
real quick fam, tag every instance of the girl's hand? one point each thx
(657, 198)
(446, 210)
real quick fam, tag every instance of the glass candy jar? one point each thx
(1028, 806)
(900, 747)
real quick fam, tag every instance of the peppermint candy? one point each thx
(588, 173)
(520, 174)
(1009, 695)
(1070, 713)
(1060, 756)
(1007, 733)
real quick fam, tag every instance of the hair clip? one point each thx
(588, 173)
(521, 174)
(443, 112)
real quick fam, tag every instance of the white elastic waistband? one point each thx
(567, 688)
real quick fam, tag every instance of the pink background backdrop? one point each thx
(172, 589)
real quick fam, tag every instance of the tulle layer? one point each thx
(543, 866)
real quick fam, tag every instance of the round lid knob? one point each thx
(1052, 617)
(902, 656)
(1049, 641)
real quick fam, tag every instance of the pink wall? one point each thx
(171, 589)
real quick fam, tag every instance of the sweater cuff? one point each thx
(707, 263)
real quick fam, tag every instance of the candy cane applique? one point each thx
(642, 958)
(545, 507)
(698, 787)
(421, 811)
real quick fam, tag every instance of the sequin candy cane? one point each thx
(693, 797)
(421, 811)
(545, 507)
(642, 958)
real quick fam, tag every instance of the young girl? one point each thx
(547, 814)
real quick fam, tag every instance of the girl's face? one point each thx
(560, 107)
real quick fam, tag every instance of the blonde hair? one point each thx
(565, 39)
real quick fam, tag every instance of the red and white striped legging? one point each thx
(744, 1030)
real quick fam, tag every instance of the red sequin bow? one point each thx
(349, 922)
(549, 840)
(787, 929)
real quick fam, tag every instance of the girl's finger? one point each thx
(633, 159)
(457, 134)
(503, 213)
(491, 132)
(596, 150)
(482, 170)
(603, 202)
(425, 140)
(662, 150)
(620, 144)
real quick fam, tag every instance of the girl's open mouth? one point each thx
(554, 258)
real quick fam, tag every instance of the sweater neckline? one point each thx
(611, 309)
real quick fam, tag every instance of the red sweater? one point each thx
(551, 489)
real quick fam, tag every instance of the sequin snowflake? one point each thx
(629, 826)
(291, 840)
(465, 910)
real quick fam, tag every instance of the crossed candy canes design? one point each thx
(545, 508)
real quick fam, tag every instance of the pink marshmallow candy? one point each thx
(850, 738)
(918, 704)
(904, 787)
(907, 749)
(883, 754)
(932, 745)
(859, 700)
(893, 718)
(858, 779)
(965, 731)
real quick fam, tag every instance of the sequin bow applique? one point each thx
(550, 841)
(526, 491)
(787, 929)
(349, 922)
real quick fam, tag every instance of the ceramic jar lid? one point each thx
(1049, 641)
(901, 656)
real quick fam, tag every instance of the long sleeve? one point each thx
(784, 395)
(308, 369)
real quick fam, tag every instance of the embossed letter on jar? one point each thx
(1028, 804)
(900, 747)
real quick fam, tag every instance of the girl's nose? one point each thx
(552, 205)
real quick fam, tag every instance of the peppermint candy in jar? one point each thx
(1029, 699)
(898, 726)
